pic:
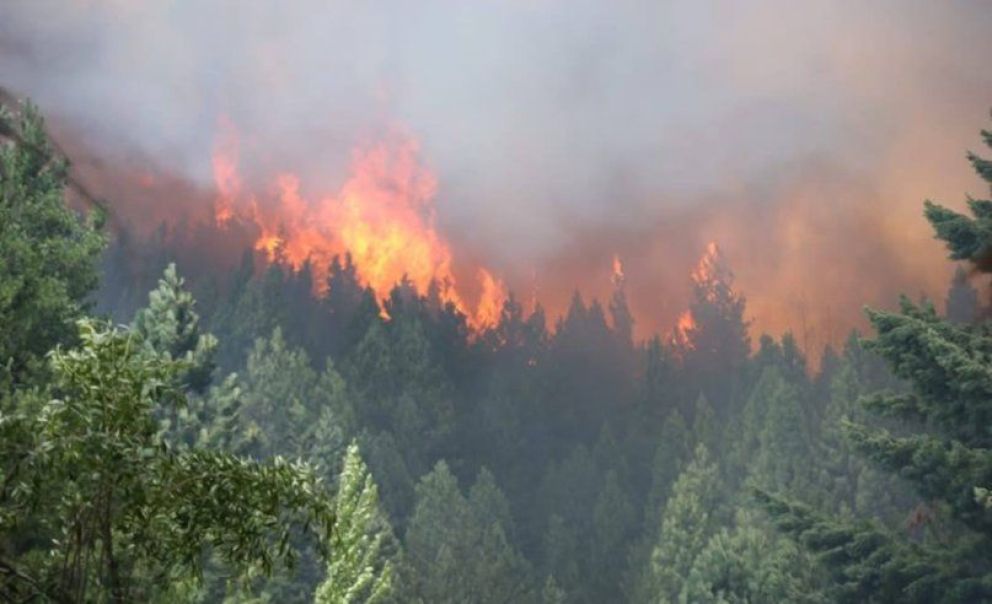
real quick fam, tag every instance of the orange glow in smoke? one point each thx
(618, 276)
(225, 168)
(709, 270)
(383, 215)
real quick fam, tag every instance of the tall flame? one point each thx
(383, 216)
(709, 270)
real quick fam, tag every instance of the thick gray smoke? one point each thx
(801, 135)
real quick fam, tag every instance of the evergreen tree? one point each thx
(282, 401)
(489, 504)
(672, 454)
(713, 342)
(559, 548)
(851, 484)
(403, 389)
(613, 520)
(351, 309)
(458, 552)
(943, 450)
(704, 423)
(361, 567)
(170, 325)
(49, 253)
(784, 459)
(551, 593)
(749, 563)
(690, 518)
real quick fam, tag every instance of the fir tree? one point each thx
(458, 552)
(49, 253)
(943, 451)
(690, 517)
(362, 564)
(750, 563)
(170, 325)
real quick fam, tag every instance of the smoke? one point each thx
(802, 137)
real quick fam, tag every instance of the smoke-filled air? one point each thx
(535, 301)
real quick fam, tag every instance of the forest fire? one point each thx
(709, 275)
(618, 276)
(383, 216)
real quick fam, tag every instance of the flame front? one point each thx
(383, 216)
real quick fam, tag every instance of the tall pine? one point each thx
(944, 449)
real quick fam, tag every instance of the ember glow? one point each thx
(383, 215)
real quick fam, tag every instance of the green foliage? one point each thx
(690, 517)
(289, 408)
(363, 547)
(551, 593)
(457, 549)
(402, 388)
(48, 252)
(868, 563)
(750, 563)
(170, 325)
(941, 448)
(114, 512)
(559, 550)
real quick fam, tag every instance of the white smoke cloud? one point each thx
(541, 117)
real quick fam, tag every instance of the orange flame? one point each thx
(225, 168)
(383, 215)
(618, 275)
(686, 323)
(708, 270)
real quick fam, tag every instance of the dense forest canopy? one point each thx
(258, 442)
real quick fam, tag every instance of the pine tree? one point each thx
(559, 551)
(783, 459)
(551, 593)
(458, 552)
(750, 563)
(489, 505)
(361, 567)
(350, 310)
(670, 458)
(613, 520)
(943, 451)
(849, 483)
(690, 517)
(170, 325)
(49, 253)
(402, 387)
(714, 344)
(283, 398)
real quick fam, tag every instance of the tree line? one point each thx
(233, 437)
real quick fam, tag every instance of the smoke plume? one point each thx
(802, 137)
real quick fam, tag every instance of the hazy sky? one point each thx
(802, 135)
